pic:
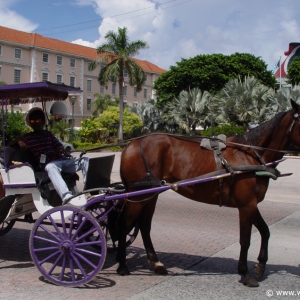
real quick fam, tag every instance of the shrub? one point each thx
(228, 130)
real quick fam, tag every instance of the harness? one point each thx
(217, 144)
(148, 180)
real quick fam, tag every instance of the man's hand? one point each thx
(21, 143)
(60, 149)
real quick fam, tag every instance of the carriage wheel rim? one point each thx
(61, 252)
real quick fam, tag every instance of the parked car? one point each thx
(68, 147)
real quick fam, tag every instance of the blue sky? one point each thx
(174, 29)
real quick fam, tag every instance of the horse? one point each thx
(172, 158)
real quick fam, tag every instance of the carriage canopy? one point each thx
(15, 94)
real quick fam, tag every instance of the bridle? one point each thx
(296, 118)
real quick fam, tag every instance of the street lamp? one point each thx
(73, 99)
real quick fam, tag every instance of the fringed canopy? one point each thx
(15, 94)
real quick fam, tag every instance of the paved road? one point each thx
(198, 244)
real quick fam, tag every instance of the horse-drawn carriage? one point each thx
(68, 243)
(72, 239)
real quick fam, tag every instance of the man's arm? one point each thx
(18, 141)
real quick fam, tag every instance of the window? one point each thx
(113, 89)
(88, 103)
(72, 81)
(59, 78)
(17, 76)
(89, 85)
(145, 75)
(45, 57)
(134, 91)
(88, 65)
(101, 89)
(18, 53)
(125, 73)
(72, 62)
(145, 93)
(45, 76)
(0, 50)
(59, 60)
(125, 90)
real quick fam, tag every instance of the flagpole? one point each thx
(280, 73)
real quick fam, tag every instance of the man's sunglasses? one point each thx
(36, 121)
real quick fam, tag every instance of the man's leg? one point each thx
(54, 169)
(75, 164)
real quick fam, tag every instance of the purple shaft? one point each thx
(171, 186)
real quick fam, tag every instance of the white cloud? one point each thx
(11, 19)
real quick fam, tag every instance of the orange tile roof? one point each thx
(37, 40)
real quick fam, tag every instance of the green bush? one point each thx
(228, 130)
(89, 146)
(14, 125)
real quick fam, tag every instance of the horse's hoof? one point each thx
(249, 281)
(160, 270)
(123, 271)
(259, 270)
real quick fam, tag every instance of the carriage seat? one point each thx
(17, 154)
(99, 172)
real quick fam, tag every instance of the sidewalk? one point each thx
(217, 278)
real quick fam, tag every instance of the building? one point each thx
(283, 65)
(30, 57)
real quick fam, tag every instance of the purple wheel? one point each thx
(68, 251)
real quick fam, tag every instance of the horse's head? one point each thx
(294, 129)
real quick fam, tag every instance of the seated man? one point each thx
(49, 153)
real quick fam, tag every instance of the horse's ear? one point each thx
(295, 106)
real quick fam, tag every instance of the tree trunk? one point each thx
(121, 105)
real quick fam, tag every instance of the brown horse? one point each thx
(172, 159)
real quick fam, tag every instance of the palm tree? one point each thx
(281, 100)
(243, 102)
(189, 110)
(101, 103)
(117, 51)
(148, 113)
(61, 129)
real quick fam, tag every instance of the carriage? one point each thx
(28, 190)
(68, 243)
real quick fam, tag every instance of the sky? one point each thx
(173, 29)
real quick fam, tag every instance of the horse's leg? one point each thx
(144, 223)
(126, 221)
(264, 231)
(247, 216)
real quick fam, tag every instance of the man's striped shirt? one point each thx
(43, 145)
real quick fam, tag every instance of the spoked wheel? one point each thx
(6, 226)
(100, 212)
(70, 253)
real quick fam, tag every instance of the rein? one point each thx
(263, 148)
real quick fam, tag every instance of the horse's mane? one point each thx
(263, 131)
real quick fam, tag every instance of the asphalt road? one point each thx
(198, 244)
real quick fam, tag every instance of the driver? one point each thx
(49, 153)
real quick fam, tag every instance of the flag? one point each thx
(276, 67)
